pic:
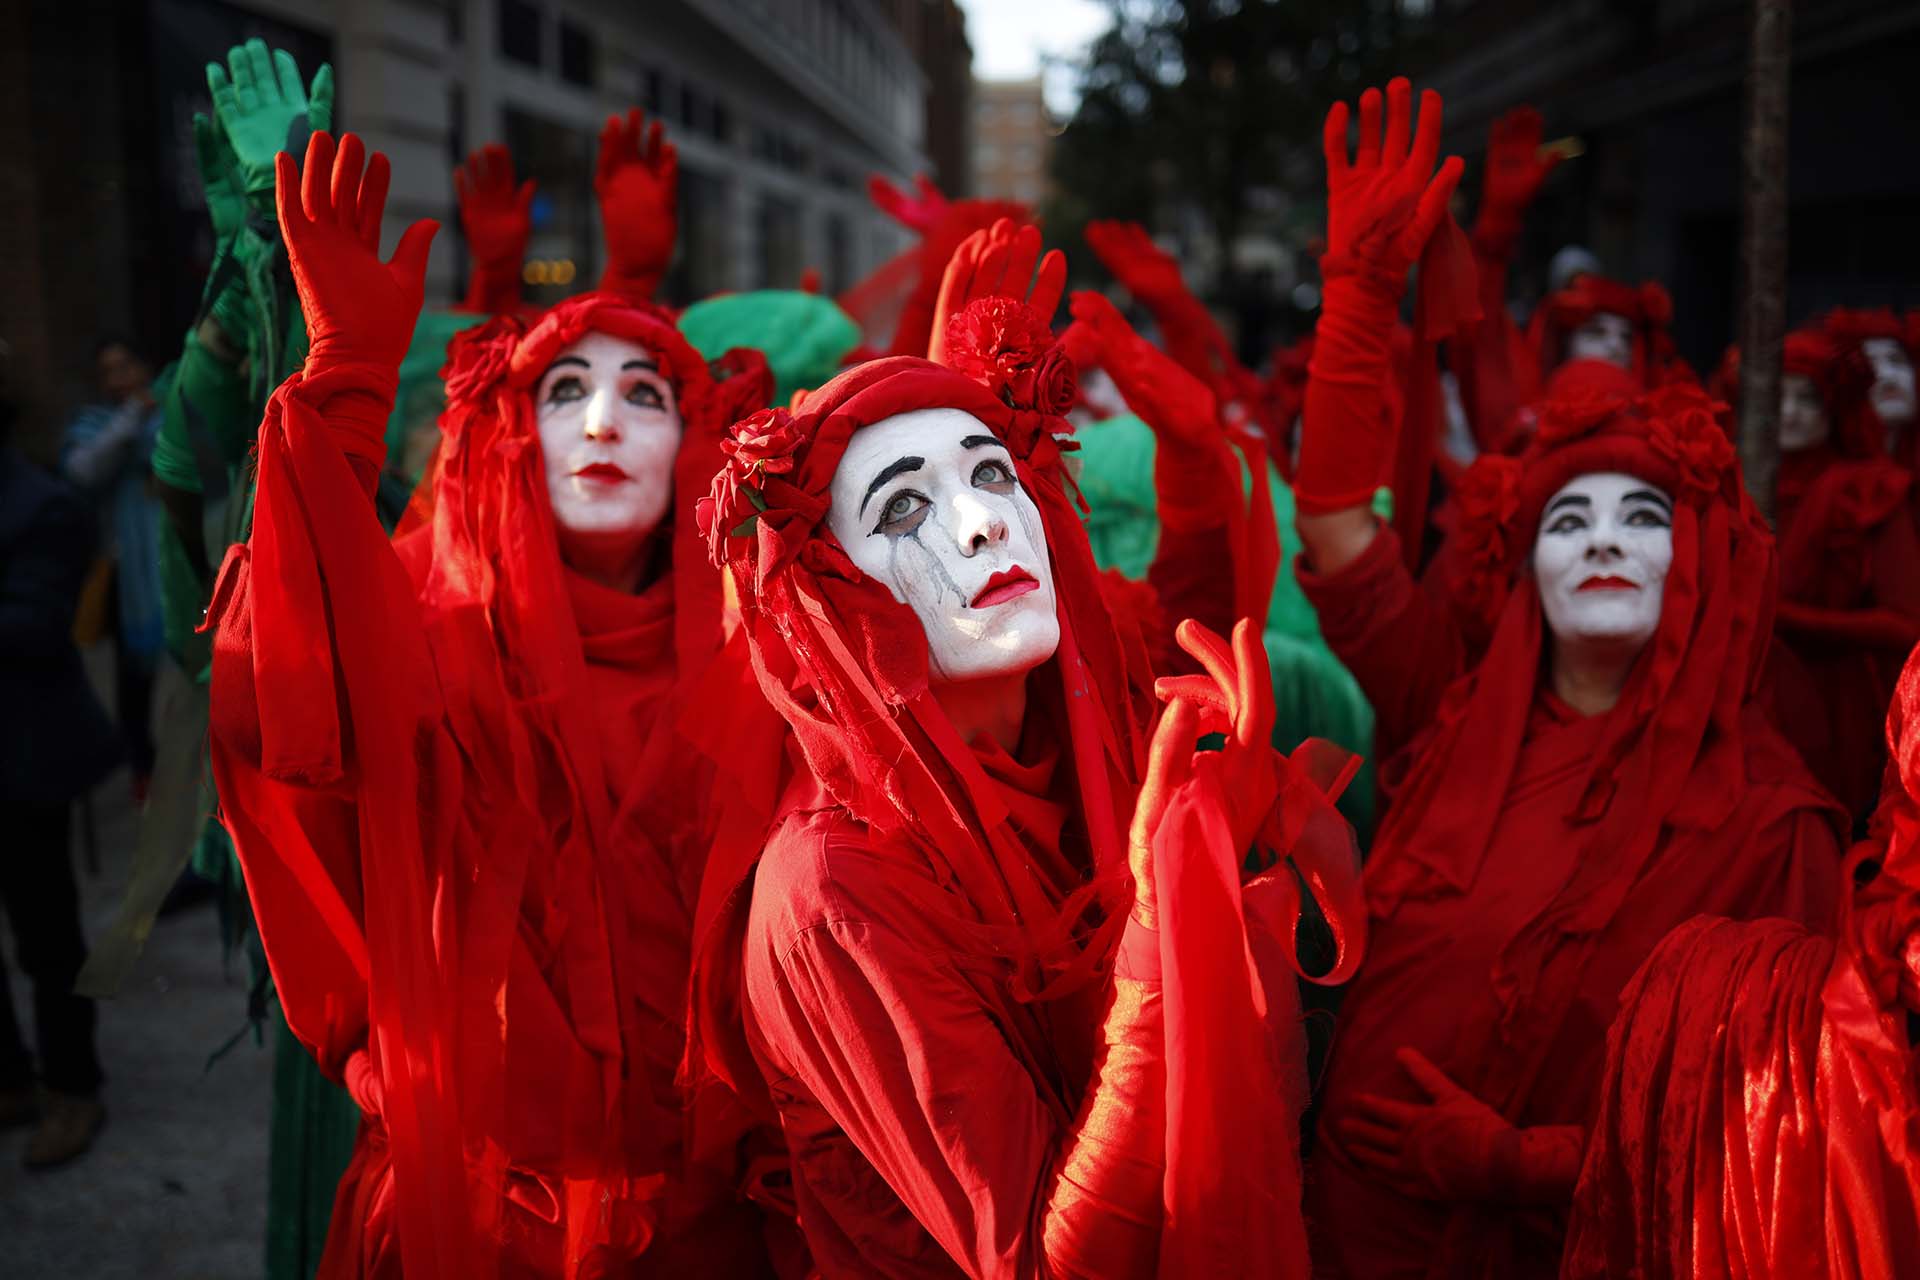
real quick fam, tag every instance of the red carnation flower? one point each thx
(992, 340)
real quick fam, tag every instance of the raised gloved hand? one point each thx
(1515, 169)
(236, 248)
(262, 109)
(1195, 474)
(1382, 207)
(637, 178)
(496, 217)
(360, 311)
(998, 263)
(920, 212)
(1146, 270)
(1454, 1147)
(1235, 698)
(1384, 203)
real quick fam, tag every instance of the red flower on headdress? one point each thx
(1488, 500)
(1683, 427)
(1656, 304)
(763, 442)
(993, 340)
(1576, 414)
(1050, 386)
(479, 357)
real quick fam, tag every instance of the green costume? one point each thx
(1314, 695)
(803, 335)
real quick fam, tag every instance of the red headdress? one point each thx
(1672, 750)
(1646, 306)
(1856, 424)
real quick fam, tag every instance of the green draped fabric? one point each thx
(1314, 695)
(803, 335)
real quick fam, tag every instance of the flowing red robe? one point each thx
(923, 1103)
(1436, 964)
(529, 915)
(1760, 1120)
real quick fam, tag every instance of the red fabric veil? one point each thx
(845, 665)
(424, 806)
(1672, 752)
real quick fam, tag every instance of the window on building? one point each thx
(839, 254)
(722, 122)
(777, 223)
(520, 32)
(689, 106)
(650, 91)
(576, 55)
(986, 156)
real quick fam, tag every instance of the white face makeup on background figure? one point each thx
(1892, 395)
(927, 503)
(1803, 414)
(1601, 559)
(1603, 336)
(609, 430)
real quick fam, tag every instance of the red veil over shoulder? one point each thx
(845, 664)
(414, 743)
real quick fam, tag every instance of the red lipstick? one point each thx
(601, 471)
(1607, 582)
(1008, 584)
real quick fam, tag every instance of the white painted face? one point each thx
(927, 503)
(1604, 336)
(1803, 414)
(1892, 393)
(1601, 558)
(609, 430)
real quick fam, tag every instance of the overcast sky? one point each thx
(1008, 37)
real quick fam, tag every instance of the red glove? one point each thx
(1381, 210)
(1195, 474)
(638, 181)
(1235, 698)
(920, 212)
(998, 263)
(1455, 1147)
(494, 215)
(1516, 167)
(359, 310)
(1147, 271)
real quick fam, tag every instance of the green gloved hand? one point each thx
(226, 296)
(220, 179)
(257, 100)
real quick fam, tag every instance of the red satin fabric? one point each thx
(472, 835)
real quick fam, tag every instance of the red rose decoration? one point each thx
(1683, 428)
(1656, 305)
(994, 339)
(1050, 386)
(1572, 416)
(763, 442)
(478, 358)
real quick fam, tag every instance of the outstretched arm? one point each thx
(495, 217)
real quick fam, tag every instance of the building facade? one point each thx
(1012, 132)
(780, 110)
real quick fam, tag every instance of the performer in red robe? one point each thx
(471, 832)
(995, 968)
(1602, 773)
(1760, 1115)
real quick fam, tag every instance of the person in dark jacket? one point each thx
(55, 742)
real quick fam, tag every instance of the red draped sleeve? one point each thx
(1402, 644)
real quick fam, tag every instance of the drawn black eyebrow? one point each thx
(1648, 495)
(892, 469)
(648, 365)
(1569, 500)
(975, 442)
(566, 360)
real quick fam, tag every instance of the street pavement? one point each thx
(176, 1185)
